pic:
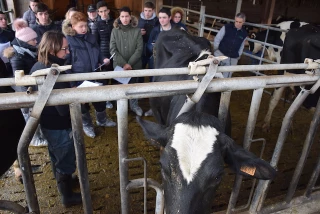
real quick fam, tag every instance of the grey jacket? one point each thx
(29, 17)
(127, 44)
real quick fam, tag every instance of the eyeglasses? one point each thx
(65, 49)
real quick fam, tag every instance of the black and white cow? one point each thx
(300, 43)
(11, 127)
(195, 147)
(274, 37)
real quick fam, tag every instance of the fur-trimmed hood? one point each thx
(67, 28)
(133, 23)
(174, 10)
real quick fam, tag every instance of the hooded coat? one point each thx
(175, 10)
(41, 29)
(84, 51)
(127, 44)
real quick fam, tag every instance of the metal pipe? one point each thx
(12, 207)
(262, 187)
(145, 184)
(252, 119)
(137, 183)
(25, 164)
(122, 119)
(223, 113)
(158, 72)
(304, 154)
(154, 89)
(80, 150)
(313, 179)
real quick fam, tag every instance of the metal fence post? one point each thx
(122, 118)
(202, 20)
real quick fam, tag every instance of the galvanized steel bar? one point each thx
(154, 89)
(251, 123)
(313, 179)
(122, 119)
(262, 187)
(166, 71)
(223, 113)
(80, 150)
(145, 185)
(138, 183)
(304, 154)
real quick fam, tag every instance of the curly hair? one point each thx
(78, 17)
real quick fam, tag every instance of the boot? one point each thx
(38, 138)
(87, 125)
(103, 120)
(109, 105)
(148, 113)
(75, 179)
(68, 197)
(135, 107)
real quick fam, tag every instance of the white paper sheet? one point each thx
(124, 80)
(89, 84)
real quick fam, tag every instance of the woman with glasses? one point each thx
(85, 57)
(55, 120)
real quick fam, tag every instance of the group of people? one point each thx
(87, 42)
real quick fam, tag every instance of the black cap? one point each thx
(92, 8)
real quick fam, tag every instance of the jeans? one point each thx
(61, 150)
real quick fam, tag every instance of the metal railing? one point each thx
(122, 93)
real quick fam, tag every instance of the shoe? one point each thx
(107, 123)
(89, 131)
(149, 113)
(68, 197)
(109, 105)
(104, 120)
(137, 110)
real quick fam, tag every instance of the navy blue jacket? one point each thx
(103, 34)
(6, 35)
(41, 29)
(232, 40)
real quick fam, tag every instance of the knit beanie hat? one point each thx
(23, 32)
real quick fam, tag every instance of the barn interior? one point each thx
(102, 152)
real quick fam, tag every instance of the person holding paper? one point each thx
(85, 57)
(127, 44)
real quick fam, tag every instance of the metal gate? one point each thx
(122, 93)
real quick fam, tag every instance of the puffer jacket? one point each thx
(21, 55)
(127, 44)
(29, 17)
(92, 24)
(41, 29)
(104, 29)
(6, 35)
(54, 117)
(84, 51)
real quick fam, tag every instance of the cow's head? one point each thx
(192, 161)
(176, 48)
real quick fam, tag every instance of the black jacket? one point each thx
(103, 35)
(20, 59)
(92, 24)
(6, 35)
(41, 29)
(54, 117)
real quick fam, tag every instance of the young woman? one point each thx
(177, 14)
(55, 120)
(127, 44)
(85, 57)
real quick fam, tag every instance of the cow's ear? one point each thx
(154, 132)
(244, 162)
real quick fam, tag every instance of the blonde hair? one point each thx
(71, 9)
(51, 41)
(78, 17)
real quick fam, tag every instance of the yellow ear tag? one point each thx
(248, 170)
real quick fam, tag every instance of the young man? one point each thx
(43, 22)
(230, 41)
(29, 14)
(104, 27)
(165, 25)
(147, 21)
(92, 18)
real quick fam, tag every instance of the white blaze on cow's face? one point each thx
(193, 144)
